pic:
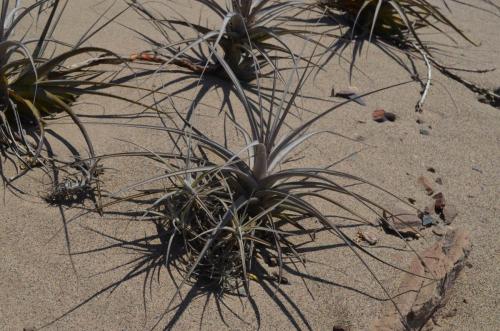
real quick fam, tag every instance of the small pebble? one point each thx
(283, 279)
(378, 115)
(391, 117)
(420, 121)
(424, 132)
(368, 236)
(439, 202)
(412, 201)
(431, 169)
(427, 220)
(439, 181)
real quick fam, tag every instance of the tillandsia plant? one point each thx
(35, 87)
(396, 23)
(222, 213)
(249, 37)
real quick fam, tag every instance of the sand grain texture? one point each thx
(38, 284)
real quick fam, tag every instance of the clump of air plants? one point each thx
(249, 37)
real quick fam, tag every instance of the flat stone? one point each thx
(428, 220)
(368, 236)
(420, 298)
(424, 132)
(401, 223)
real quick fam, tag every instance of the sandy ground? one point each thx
(38, 283)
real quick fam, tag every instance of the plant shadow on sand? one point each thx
(150, 260)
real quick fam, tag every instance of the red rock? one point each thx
(439, 202)
(378, 115)
(425, 289)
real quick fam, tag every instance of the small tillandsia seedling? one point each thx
(249, 37)
(78, 181)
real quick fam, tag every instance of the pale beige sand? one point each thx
(37, 282)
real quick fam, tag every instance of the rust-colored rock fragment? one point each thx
(378, 115)
(402, 224)
(439, 202)
(424, 290)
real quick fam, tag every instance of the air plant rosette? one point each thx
(250, 37)
(227, 213)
